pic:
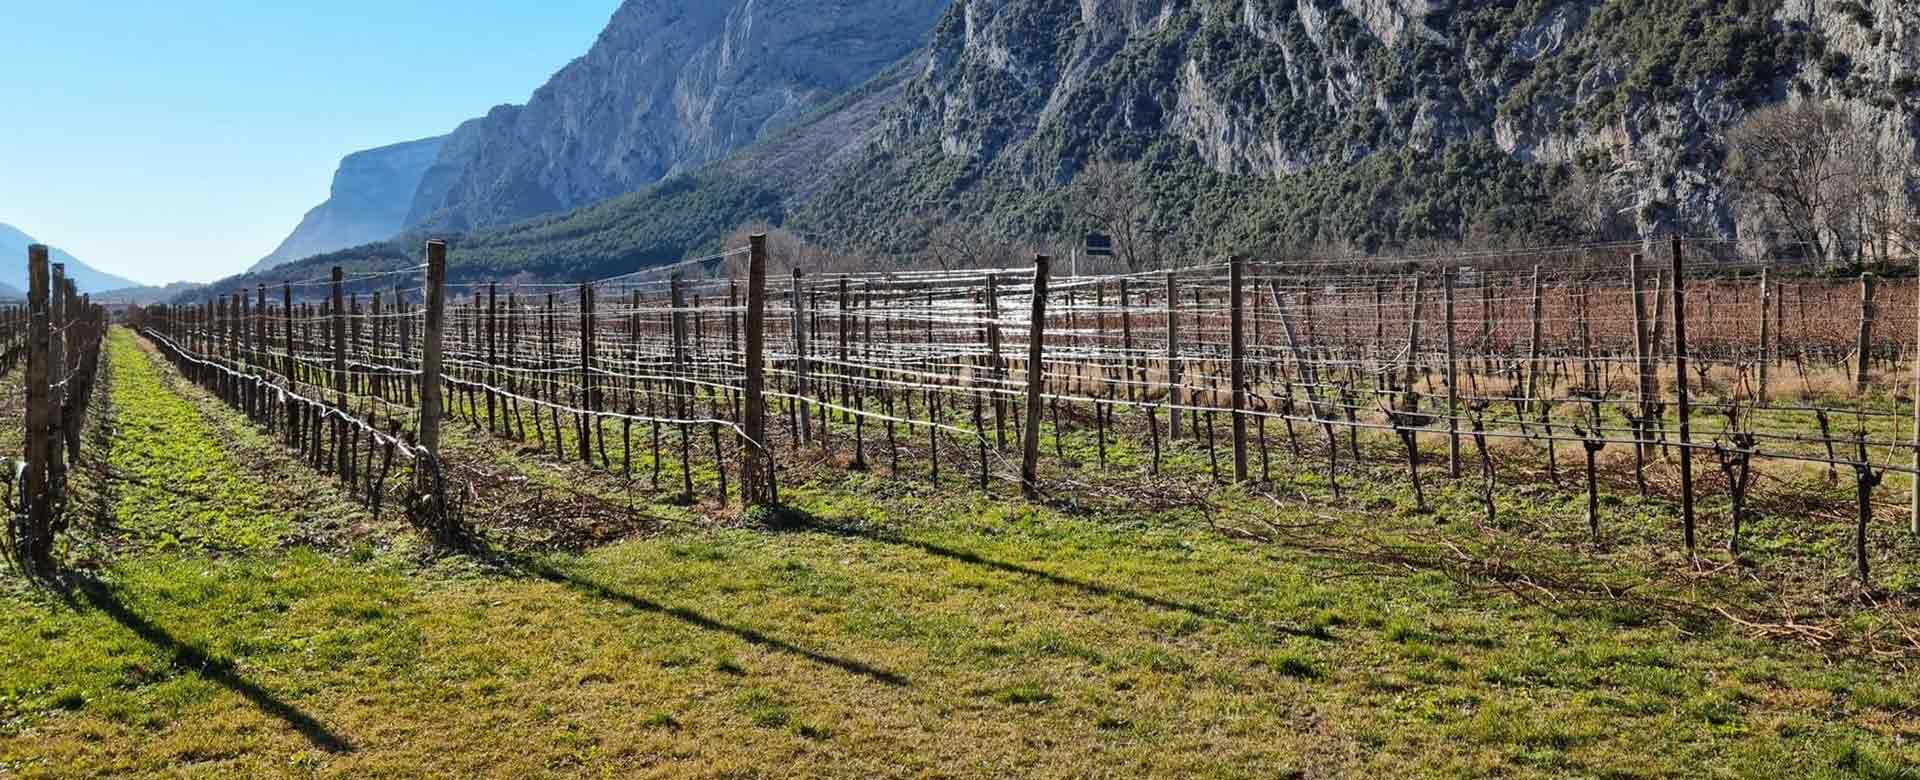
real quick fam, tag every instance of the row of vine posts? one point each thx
(60, 333)
(941, 335)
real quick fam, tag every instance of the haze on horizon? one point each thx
(182, 142)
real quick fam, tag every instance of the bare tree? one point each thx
(952, 245)
(1112, 197)
(1589, 206)
(1885, 190)
(1800, 167)
(786, 250)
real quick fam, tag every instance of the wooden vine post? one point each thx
(1453, 381)
(1533, 345)
(1863, 350)
(1680, 392)
(432, 341)
(35, 541)
(1766, 350)
(800, 356)
(996, 362)
(1913, 520)
(1036, 380)
(58, 366)
(1173, 357)
(682, 390)
(339, 367)
(493, 349)
(758, 483)
(1237, 355)
(1643, 371)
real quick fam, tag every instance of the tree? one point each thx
(1111, 197)
(1811, 172)
(1587, 205)
(1885, 192)
(786, 251)
(953, 245)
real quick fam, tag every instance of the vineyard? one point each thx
(1594, 511)
(1705, 373)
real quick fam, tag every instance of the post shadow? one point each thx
(185, 656)
(1097, 589)
(698, 620)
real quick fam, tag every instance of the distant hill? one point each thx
(142, 296)
(13, 265)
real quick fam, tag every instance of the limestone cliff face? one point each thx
(371, 193)
(670, 85)
(1638, 93)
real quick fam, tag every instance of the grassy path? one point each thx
(932, 636)
(177, 486)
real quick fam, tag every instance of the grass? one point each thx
(904, 631)
(178, 487)
(1050, 646)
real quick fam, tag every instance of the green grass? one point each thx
(177, 486)
(1044, 646)
(906, 631)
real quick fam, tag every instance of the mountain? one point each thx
(14, 243)
(371, 193)
(1266, 124)
(668, 86)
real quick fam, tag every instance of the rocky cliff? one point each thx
(669, 85)
(1374, 121)
(368, 202)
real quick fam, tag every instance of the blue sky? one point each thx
(167, 141)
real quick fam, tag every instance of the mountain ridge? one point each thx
(86, 278)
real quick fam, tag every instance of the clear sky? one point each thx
(182, 140)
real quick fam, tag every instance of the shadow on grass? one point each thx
(185, 656)
(972, 558)
(695, 619)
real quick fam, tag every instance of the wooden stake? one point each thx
(1174, 379)
(36, 544)
(758, 483)
(1237, 371)
(1680, 389)
(1453, 381)
(1863, 351)
(1766, 349)
(432, 343)
(1036, 380)
(1533, 344)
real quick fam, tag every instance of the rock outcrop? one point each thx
(371, 193)
(670, 85)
